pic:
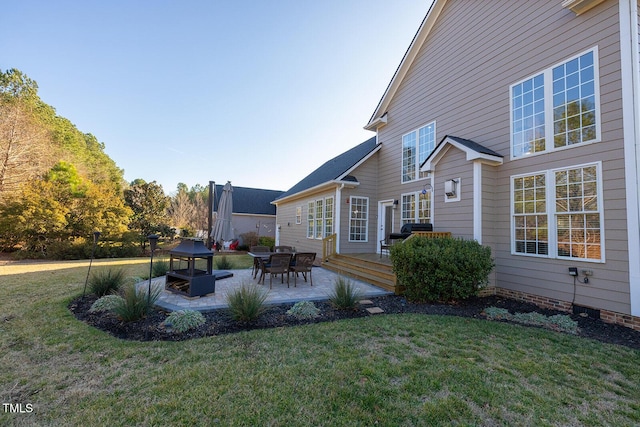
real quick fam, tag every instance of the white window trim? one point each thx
(416, 208)
(548, 107)
(416, 131)
(324, 218)
(550, 183)
(299, 215)
(366, 238)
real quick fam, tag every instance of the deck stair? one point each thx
(367, 270)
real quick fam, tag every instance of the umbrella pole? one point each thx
(212, 185)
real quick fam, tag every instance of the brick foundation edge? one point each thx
(627, 320)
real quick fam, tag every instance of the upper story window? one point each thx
(416, 146)
(556, 108)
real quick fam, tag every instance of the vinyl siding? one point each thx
(292, 234)
(367, 176)
(454, 216)
(461, 78)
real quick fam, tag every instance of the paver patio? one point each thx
(323, 285)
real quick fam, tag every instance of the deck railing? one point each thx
(430, 234)
(329, 246)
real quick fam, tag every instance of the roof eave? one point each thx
(315, 189)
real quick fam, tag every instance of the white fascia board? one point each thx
(407, 60)
(364, 159)
(471, 155)
(580, 6)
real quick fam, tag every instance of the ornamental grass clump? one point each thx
(441, 269)
(184, 320)
(105, 303)
(136, 303)
(304, 310)
(345, 295)
(160, 268)
(223, 263)
(105, 282)
(246, 303)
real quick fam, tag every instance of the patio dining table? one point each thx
(265, 257)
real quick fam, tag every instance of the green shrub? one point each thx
(246, 303)
(304, 310)
(444, 269)
(267, 241)
(345, 295)
(223, 263)
(160, 268)
(105, 303)
(104, 282)
(136, 303)
(183, 320)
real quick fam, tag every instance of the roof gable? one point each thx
(378, 119)
(253, 201)
(336, 169)
(473, 150)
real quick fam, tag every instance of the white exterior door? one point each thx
(385, 220)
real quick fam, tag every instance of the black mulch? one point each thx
(219, 322)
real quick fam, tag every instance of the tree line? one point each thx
(58, 186)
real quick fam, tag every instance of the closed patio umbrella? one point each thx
(222, 229)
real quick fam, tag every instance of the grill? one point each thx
(191, 269)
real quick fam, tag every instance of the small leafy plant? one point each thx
(105, 303)
(345, 295)
(304, 310)
(223, 263)
(105, 282)
(136, 303)
(246, 303)
(184, 320)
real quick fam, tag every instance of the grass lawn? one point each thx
(385, 370)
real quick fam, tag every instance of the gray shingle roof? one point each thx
(250, 200)
(473, 145)
(334, 168)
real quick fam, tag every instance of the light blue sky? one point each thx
(257, 92)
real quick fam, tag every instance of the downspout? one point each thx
(338, 209)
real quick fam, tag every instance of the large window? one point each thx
(416, 146)
(416, 212)
(556, 108)
(320, 218)
(358, 219)
(558, 213)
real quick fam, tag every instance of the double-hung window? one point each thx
(558, 213)
(359, 219)
(416, 146)
(320, 218)
(556, 108)
(419, 211)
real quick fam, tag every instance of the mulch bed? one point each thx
(219, 322)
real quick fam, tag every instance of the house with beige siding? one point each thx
(517, 124)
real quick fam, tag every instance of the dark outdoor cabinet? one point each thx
(191, 269)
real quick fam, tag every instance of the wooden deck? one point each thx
(368, 267)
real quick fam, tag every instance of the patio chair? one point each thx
(256, 264)
(283, 249)
(277, 264)
(302, 263)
